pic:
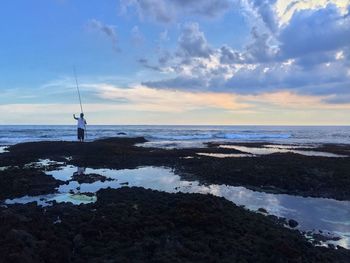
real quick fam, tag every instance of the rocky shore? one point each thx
(138, 225)
(278, 173)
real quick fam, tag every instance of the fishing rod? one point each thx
(76, 81)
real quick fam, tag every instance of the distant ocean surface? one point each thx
(182, 136)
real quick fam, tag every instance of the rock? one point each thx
(22, 237)
(262, 210)
(151, 226)
(78, 240)
(292, 223)
(331, 246)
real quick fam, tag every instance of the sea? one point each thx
(178, 136)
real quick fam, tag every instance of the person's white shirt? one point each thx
(81, 123)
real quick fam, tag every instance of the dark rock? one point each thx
(150, 226)
(161, 228)
(17, 182)
(78, 240)
(262, 210)
(278, 173)
(292, 223)
(89, 178)
(22, 237)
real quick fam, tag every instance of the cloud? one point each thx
(285, 100)
(229, 56)
(142, 98)
(107, 30)
(167, 11)
(314, 31)
(308, 55)
(285, 9)
(150, 99)
(192, 42)
(260, 49)
(125, 105)
(323, 78)
(145, 63)
(263, 10)
(208, 8)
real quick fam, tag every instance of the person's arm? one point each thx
(75, 117)
(85, 122)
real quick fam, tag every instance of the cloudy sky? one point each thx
(176, 61)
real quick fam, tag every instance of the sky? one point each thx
(218, 62)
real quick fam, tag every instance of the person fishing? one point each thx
(81, 121)
(81, 126)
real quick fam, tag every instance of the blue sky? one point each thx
(176, 61)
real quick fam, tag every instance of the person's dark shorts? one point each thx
(80, 134)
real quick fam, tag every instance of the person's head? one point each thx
(81, 115)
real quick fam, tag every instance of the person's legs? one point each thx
(80, 134)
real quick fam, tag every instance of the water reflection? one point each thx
(3, 149)
(80, 171)
(226, 155)
(311, 213)
(281, 149)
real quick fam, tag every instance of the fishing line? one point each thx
(76, 81)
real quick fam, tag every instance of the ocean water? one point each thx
(182, 136)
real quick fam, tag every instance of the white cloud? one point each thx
(149, 99)
(339, 55)
(140, 104)
(286, 8)
(261, 12)
(314, 31)
(192, 42)
(309, 55)
(290, 100)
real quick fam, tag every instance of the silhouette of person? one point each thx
(81, 125)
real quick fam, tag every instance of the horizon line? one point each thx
(283, 125)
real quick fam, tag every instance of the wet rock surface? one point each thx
(292, 223)
(89, 178)
(138, 225)
(15, 182)
(278, 173)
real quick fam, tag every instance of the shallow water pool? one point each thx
(3, 149)
(270, 149)
(330, 216)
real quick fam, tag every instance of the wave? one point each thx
(182, 137)
(183, 134)
(256, 136)
(230, 136)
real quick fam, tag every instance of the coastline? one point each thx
(286, 173)
(198, 214)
